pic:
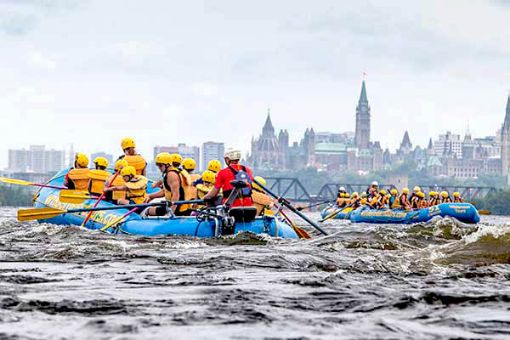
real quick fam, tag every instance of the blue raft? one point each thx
(157, 226)
(463, 212)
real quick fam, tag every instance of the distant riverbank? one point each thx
(15, 196)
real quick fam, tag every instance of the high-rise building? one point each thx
(505, 141)
(362, 133)
(182, 149)
(448, 144)
(36, 159)
(210, 151)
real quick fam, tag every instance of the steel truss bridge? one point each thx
(292, 189)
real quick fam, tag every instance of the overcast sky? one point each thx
(91, 72)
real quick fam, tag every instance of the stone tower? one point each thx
(265, 151)
(505, 141)
(362, 133)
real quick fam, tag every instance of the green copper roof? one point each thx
(363, 95)
(330, 148)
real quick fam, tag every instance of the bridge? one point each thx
(292, 189)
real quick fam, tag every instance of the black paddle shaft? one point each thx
(291, 208)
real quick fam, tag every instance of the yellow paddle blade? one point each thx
(39, 213)
(112, 223)
(73, 196)
(14, 181)
(484, 212)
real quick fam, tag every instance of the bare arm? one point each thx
(211, 194)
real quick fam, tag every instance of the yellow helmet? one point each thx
(432, 193)
(382, 192)
(121, 163)
(420, 194)
(101, 161)
(189, 164)
(128, 171)
(444, 194)
(363, 201)
(208, 177)
(214, 165)
(261, 180)
(81, 160)
(354, 194)
(163, 158)
(127, 142)
(405, 190)
(175, 158)
(456, 194)
(416, 189)
(394, 192)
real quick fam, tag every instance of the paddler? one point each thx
(132, 157)
(175, 182)
(355, 202)
(190, 165)
(342, 198)
(214, 166)
(78, 177)
(422, 201)
(434, 198)
(404, 200)
(394, 202)
(98, 176)
(113, 196)
(135, 186)
(445, 197)
(261, 201)
(457, 198)
(233, 171)
(372, 190)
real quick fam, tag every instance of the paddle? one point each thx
(117, 220)
(291, 208)
(74, 196)
(45, 213)
(26, 183)
(103, 194)
(312, 205)
(335, 213)
(299, 231)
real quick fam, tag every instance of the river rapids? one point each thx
(442, 279)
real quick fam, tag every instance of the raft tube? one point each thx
(152, 226)
(464, 212)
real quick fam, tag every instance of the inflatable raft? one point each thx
(463, 212)
(199, 226)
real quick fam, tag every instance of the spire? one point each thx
(363, 95)
(506, 124)
(268, 125)
(406, 141)
(431, 146)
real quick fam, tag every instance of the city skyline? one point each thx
(168, 80)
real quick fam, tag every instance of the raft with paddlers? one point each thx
(464, 212)
(208, 222)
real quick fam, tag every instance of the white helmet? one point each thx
(233, 154)
(342, 189)
(375, 184)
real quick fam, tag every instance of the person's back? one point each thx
(261, 201)
(78, 177)
(98, 176)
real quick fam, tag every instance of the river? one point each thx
(442, 279)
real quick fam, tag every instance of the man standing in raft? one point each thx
(233, 171)
(78, 177)
(132, 157)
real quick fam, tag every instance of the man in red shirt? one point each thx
(233, 171)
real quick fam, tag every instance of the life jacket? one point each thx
(395, 203)
(137, 189)
(355, 203)
(184, 188)
(243, 176)
(375, 201)
(261, 201)
(191, 188)
(117, 182)
(203, 189)
(384, 201)
(340, 202)
(79, 179)
(136, 161)
(97, 181)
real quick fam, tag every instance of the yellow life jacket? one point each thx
(117, 182)
(137, 189)
(396, 203)
(97, 181)
(203, 189)
(190, 189)
(186, 189)
(261, 201)
(80, 178)
(137, 162)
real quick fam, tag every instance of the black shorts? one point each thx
(161, 210)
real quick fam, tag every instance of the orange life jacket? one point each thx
(117, 182)
(137, 189)
(97, 181)
(80, 178)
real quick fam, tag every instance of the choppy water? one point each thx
(436, 280)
